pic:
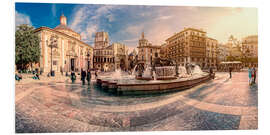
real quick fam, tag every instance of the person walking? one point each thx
(230, 70)
(61, 70)
(83, 75)
(73, 76)
(96, 75)
(88, 77)
(254, 75)
(249, 75)
(37, 75)
(211, 72)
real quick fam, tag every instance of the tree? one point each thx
(27, 50)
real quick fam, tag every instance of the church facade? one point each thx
(62, 49)
(147, 51)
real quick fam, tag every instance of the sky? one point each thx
(125, 23)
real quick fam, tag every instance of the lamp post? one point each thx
(88, 55)
(53, 44)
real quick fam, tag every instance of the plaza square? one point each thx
(111, 68)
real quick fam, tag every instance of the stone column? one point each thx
(63, 54)
(146, 56)
(79, 56)
(46, 53)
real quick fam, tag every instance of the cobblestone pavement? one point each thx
(59, 106)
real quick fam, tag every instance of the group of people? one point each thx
(252, 75)
(84, 75)
(36, 73)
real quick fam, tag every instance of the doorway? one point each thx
(72, 64)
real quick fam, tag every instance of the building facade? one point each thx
(223, 52)
(109, 57)
(62, 49)
(187, 46)
(211, 53)
(164, 51)
(104, 59)
(121, 56)
(101, 40)
(147, 51)
(235, 47)
(250, 50)
(250, 46)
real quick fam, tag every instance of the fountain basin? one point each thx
(145, 87)
(144, 78)
(161, 73)
(158, 78)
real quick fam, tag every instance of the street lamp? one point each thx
(88, 55)
(53, 44)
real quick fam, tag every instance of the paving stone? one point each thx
(56, 106)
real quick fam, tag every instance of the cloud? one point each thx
(21, 18)
(134, 29)
(164, 17)
(126, 23)
(104, 10)
(238, 22)
(110, 17)
(54, 10)
(131, 40)
(87, 20)
(79, 17)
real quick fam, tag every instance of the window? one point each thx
(54, 62)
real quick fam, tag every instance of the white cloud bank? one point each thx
(159, 23)
(86, 20)
(21, 18)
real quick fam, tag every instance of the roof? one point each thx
(211, 38)
(231, 62)
(59, 32)
(150, 46)
(185, 29)
(63, 27)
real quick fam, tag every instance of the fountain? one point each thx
(147, 73)
(134, 70)
(197, 70)
(182, 72)
(162, 76)
(155, 76)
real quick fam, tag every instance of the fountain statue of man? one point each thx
(188, 68)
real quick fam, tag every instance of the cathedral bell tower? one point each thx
(143, 41)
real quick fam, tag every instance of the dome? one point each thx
(64, 29)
